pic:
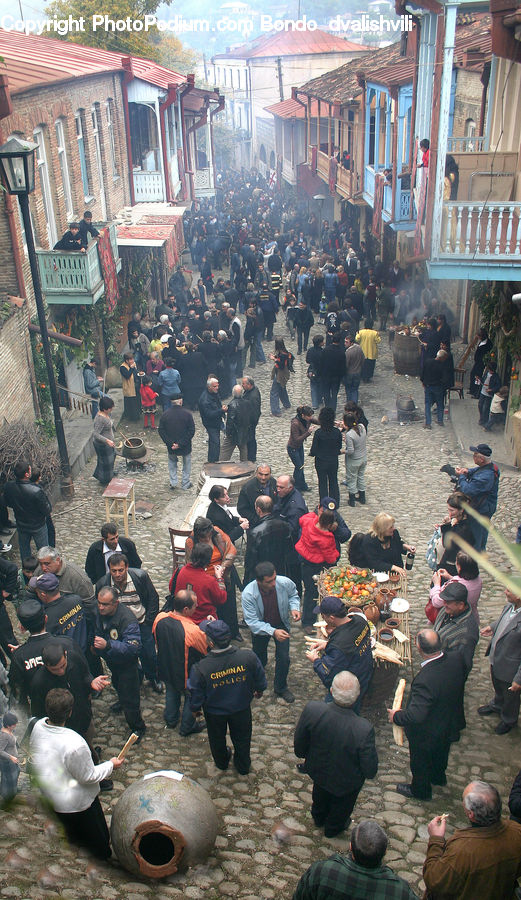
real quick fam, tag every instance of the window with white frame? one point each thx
(45, 185)
(64, 168)
(109, 109)
(78, 118)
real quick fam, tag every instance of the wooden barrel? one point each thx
(406, 354)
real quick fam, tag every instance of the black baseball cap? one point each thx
(484, 449)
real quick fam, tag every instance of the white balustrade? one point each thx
(148, 186)
(480, 230)
(474, 144)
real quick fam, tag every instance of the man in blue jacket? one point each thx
(481, 484)
(118, 641)
(223, 684)
(269, 604)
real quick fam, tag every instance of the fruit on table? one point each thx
(349, 583)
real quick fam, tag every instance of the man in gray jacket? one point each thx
(354, 361)
(504, 652)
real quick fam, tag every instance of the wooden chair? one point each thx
(459, 381)
(178, 547)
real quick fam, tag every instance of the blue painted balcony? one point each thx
(75, 278)
(400, 219)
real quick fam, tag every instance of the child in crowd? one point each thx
(29, 566)
(9, 768)
(498, 409)
(291, 311)
(148, 401)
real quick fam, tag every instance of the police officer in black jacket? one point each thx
(27, 658)
(118, 641)
(223, 684)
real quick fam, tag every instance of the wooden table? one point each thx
(120, 502)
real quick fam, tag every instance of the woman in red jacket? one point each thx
(209, 591)
(317, 550)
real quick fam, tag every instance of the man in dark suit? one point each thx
(428, 719)
(220, 515)
(99, 553)
(339, 751)
(270, 540)
(253, 398)
(504, 652)
(261, 483)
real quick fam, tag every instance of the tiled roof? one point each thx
(387, 66)
(290, 109)
(30, 61)
(341, 85)
(291, 43)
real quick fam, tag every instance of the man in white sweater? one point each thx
(66, 775)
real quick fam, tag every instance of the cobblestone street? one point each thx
(403, 478)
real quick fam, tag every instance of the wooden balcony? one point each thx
(323, 165)
(75, 278)
(345, 182)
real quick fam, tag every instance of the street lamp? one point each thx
(320, 199)
(17, 168)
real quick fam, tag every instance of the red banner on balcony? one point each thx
(108, 269)
(376, 226)
(421, 210)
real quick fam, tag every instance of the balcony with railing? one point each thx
(345, 182)
(480, 230)
(323, 165)
(203, 182)
(75, 278)
(475, 144)
(148, 186)
(402, 205)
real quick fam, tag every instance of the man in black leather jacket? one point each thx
(31, 508)
(269, 541)
(212, 415)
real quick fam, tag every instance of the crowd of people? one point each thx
(88, 628)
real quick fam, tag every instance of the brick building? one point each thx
(115, 135)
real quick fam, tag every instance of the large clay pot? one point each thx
(384, 597)
(133, 448)
(112, 378)
(161, 824)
